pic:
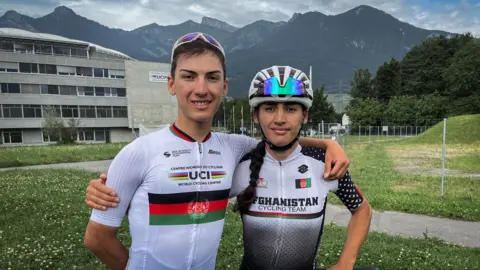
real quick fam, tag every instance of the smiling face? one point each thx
(199, 84)
(280, 122)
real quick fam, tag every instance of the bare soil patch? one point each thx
(427, 159)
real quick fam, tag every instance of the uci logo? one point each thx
(199, 174)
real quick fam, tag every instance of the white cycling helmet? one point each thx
(281, 84)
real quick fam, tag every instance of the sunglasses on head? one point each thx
(194, 36)
(293, 87)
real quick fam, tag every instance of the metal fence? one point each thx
(431, 158)
(335, 130)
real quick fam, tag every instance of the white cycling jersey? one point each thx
(284, 225)
(178, 192)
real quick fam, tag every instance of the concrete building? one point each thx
(110, 93)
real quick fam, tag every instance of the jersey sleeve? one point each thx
(348, 192)
(240, 144)
(125, 174)
(241, 178)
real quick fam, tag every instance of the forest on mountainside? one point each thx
(438, 78)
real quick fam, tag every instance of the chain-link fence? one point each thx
(337, 131)
(421, 149)
(351, 133)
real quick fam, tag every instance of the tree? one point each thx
(54, 126)
(321, 108)
(423, 67)
(414, 111)
(463, 79)
(430, 109)
(361, 86)
(401, 110)
(438, 78)
(366, 112)
(387, 81)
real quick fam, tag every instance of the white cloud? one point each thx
(457, 17)
(454, 14)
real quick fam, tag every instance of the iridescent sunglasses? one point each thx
(292, 87)
(194, 36)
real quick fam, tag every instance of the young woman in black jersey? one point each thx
(281, 194)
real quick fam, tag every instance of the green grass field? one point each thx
(405, 175)
(36, 155)
(398, 173)
(372, 169)
(44, 217)
(464, 129)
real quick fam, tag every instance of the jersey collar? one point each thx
(291, 157)
(182, 135)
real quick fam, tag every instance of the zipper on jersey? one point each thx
(277, 246)
(195, 225)
(199, 147)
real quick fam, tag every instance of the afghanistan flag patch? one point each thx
(303, 183)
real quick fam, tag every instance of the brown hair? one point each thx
(196, 47)
(246, 197)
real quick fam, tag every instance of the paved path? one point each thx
(409, 225)
(393, 223)
(95, 166)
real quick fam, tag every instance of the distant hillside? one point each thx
(334, 45)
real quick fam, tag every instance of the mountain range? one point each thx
(334, 45)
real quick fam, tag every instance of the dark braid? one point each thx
(246, 197)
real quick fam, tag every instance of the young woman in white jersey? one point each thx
(280, 191)
(176, 181)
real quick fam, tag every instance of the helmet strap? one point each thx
(277, 148)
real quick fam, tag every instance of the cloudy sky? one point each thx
(457, 16)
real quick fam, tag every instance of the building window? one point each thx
(86, 91)
(6, 46)
(84, 71)
(100, 135)
(12, 136)
(47, 69)
(56, 109)
(12, 110)
(28, 68)
(32, 111)
(43, 49)
(121, 92)
(120, 112)
(86, 135)
(87, 112)
(79, 52)
(66, 70)
(99, 91)
(61, 51)
(30, 89)
(8, 67)
(69, 111)
(117, 74)
(24, 48)
(49, 138)
(49, 89)
(100, 72)
(110, 92)
(104, 111)
(10, 88)
(67, 90)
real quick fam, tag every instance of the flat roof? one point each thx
(24, 34)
